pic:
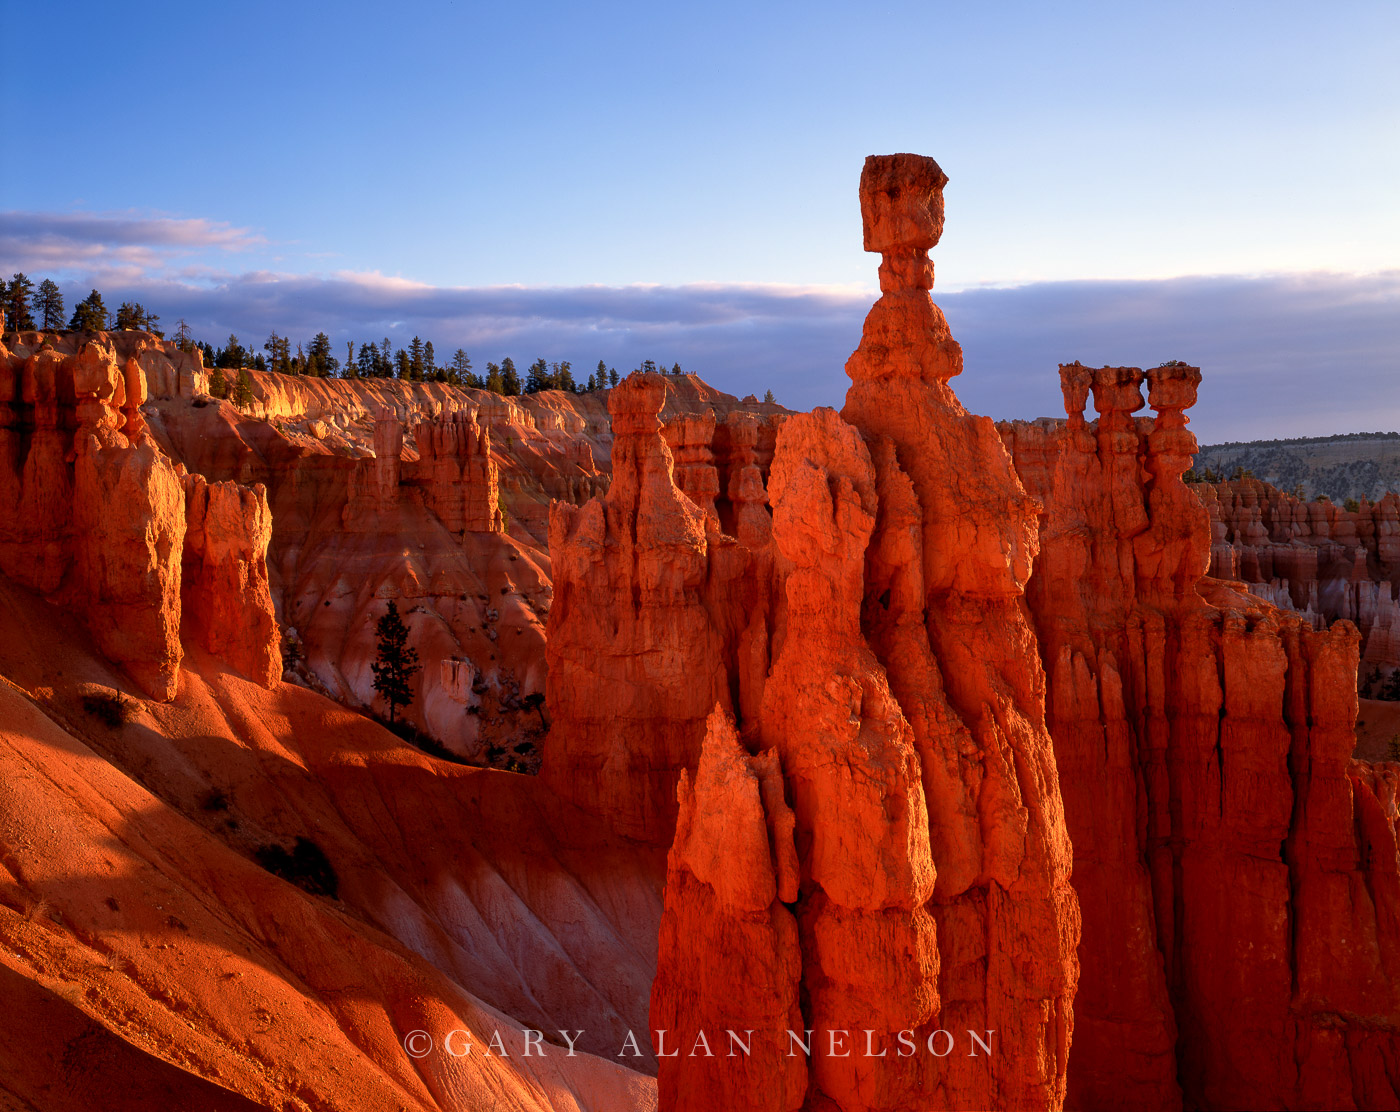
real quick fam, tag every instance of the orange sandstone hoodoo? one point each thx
(1236, 870)
(95, 516)
(896, 856)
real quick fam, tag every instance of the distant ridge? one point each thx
(1347, 465)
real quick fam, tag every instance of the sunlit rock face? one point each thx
(637, 635)
(96, 517)
(1223, 838)
(901, 703)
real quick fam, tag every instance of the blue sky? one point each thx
(271, 165)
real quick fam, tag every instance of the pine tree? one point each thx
(494, 380)
(768, 397)
(564, 378)
(675, 368)
(89, 315)
(429, 358)
(592, 382)
(612, 376)
(602, 375)
(368, 362)
(403, 364)
(462, 369)
(396, 662)
(415, 358)
(279, 350)
(132, 317)
(49, 304)
(182, 334)
(218, 384)
(243, 390)
(537, 378)
(319, 360)
(18, 317)
(233, 355)
(510, 380)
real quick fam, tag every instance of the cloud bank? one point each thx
(110, 246)
(1283, 355)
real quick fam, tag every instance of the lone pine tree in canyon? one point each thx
(888, 759)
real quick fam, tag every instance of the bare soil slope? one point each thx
(145, 952)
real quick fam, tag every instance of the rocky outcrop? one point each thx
(722, 466)
(95, 515)
(92, 518)
(739, 445)
(388, 458)
(450, 470)
(731, 869)
(636, 630)
(457, 475)
(690, 438)
(1204, 739)
(224, 575)
(129, 530)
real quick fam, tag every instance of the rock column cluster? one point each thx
(1234, 867)
(856, 682)
(454, 474)
(96, 518)
(1327, 562)
(458, 477)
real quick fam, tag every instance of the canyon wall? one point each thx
(1235, 868)
(430, 495)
